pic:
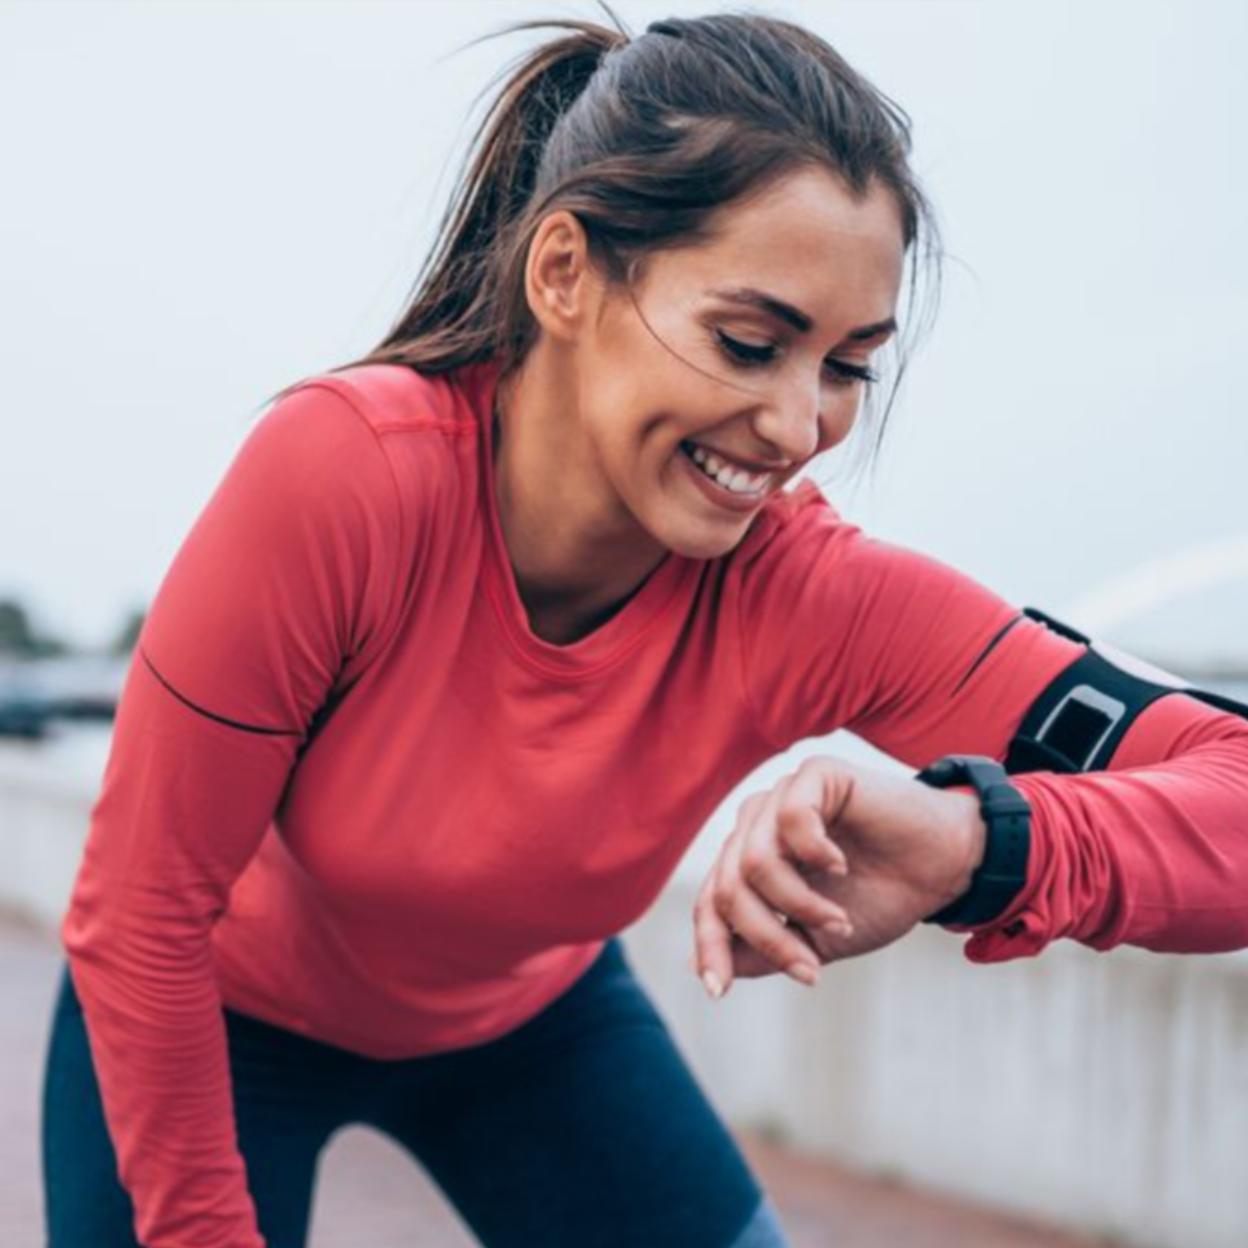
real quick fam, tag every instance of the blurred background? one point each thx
(206, 201)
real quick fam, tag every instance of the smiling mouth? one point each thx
(725, 475)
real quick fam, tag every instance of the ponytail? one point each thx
(456, 315)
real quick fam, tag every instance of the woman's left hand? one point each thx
(833, 861)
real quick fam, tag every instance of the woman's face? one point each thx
(735, 361)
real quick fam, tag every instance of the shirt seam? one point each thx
(536, 662)
(401, 544)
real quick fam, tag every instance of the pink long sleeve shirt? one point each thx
(350, 792)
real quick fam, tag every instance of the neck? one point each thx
(576, 552)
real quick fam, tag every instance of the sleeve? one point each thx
(278, 595)
(843, 630)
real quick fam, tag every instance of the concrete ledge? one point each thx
(1103, 1092)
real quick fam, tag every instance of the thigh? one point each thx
(280, 1135)
(584, 1128)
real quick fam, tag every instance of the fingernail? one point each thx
(838, 927)
(713, 987)
(804, 972)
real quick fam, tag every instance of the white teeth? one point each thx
(735, 479)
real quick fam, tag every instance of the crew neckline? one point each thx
(611, 640)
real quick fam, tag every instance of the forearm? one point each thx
(1153, 852)
(165, 1085)
(167, 837)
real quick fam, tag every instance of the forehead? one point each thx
(807, 239)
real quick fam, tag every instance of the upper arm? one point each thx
(283, 584)
(288, 571)
(846, 630)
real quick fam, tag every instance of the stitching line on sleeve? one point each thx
(987, 650)
(221, 719)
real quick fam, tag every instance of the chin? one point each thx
(702, 543)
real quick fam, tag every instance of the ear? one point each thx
(560, 284)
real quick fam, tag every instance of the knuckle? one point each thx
(754, 864)
(792, 812)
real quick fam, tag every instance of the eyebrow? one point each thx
(795, 317)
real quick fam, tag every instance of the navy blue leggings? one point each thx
(582, 1128)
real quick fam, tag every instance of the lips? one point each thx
(729, 475)
(720, 496)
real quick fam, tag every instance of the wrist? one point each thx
(967, 839)
(1003, 837)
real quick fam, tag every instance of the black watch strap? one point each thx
(1007, 818)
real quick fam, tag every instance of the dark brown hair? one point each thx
(642, 139)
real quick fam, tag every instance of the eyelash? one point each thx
(749, 355)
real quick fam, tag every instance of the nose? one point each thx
(789, 421)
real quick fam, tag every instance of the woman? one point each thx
(476, 632)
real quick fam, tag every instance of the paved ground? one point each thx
(371, 1195)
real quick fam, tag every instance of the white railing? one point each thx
(1223, 561)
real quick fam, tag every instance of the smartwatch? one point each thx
(1007, 819)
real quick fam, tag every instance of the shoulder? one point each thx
(802, 547)
(396, 399)
(425, 428)
(802, 553)
(793, 527)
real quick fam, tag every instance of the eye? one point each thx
(754, 355)
(746, 353)
(847, 373)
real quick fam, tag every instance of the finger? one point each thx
(713, 935)
(777, 881)
(805, 836)
(827, 784)
(757, 924)
(748, 814)
(748, 963)
(736, 902)
(761, 855)
(712, 939)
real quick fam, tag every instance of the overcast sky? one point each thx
(203, 202)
